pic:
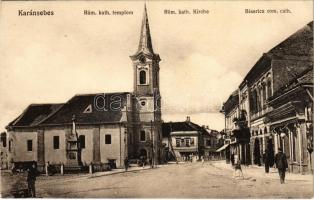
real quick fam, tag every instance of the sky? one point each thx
(49, 59)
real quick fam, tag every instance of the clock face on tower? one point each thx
(142, 59)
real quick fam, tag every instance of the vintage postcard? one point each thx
(156, 99)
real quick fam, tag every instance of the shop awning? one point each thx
(222, 148)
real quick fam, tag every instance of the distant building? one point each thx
(95, 128)
(237, 133)
(186, 139)
(212, 142)
(275, 100)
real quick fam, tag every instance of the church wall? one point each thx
(115, 150)
(87, 152)
(19, 147)
(55, 156)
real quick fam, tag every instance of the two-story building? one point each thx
(276, 99)
(212, 142)
(183, 139)
(236, 129)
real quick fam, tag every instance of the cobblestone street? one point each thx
(186, 180)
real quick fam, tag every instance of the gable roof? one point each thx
(209, 132)
(105, 108)
(168, 127)
(298, 46)
(34, 114)
(59, 114)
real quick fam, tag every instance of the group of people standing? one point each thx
(280, 160)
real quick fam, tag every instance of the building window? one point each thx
(29, 145)
(264, 93)
(56, 142)
(107, 139)
(142, 136)
(82, 141)
(208, 142)
(142, 77)
(182, 142)
(178, 142)
(10, 145)
(4, 139)
(187, 142)
(254, 101)
(259, 99)
(192, 141)
(269, 90)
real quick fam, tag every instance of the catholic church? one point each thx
(96, 128)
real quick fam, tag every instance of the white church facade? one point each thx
(95, 128)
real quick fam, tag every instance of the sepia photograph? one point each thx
(156, 99)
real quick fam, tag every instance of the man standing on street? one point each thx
(281, 164)
(31, 178)
(266, 161)
(126, 163)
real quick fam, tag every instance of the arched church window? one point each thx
(142, 77)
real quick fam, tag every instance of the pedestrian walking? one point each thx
(266, 161)
(281, 164)
(143, 161)
(126, 163)
(202, 160)
(31, 179)
(237, 169)
(151, 163)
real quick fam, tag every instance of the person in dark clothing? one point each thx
(31, 178)
(151, 163)
(126, 163)
(281, 164)
(266, 160)
(232, 159)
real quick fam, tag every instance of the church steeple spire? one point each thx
(145, 44)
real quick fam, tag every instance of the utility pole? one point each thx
(152, 136)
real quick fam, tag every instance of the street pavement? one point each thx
(183, 180)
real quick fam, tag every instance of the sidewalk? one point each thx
(118, 171)
(259, 172)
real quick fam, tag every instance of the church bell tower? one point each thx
(147, 131)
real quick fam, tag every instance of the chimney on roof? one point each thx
(73, 125)
(188, 119)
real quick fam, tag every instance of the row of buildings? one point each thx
(273, 106)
